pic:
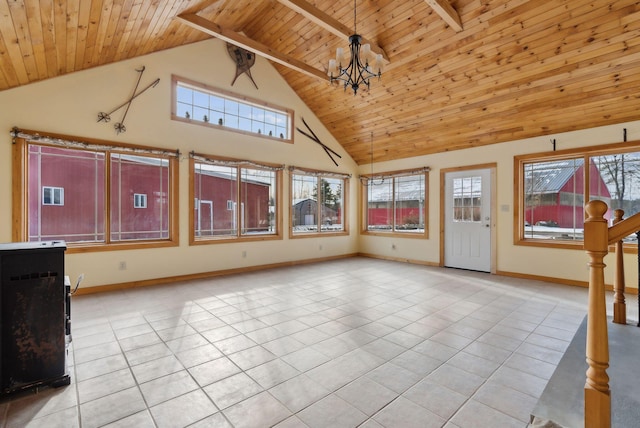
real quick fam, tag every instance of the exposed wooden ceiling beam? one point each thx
(230, 36)
(446, 12)
(328, 23)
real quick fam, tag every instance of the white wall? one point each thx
(70, 105)
(543, 262)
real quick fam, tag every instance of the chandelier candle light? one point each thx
(355, 73)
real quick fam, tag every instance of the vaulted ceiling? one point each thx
(460, 73)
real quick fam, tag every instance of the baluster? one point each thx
(619, 305)
(597, 396)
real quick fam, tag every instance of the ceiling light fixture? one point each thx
(355, 73)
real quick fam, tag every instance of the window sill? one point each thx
(396, 234)
(293, 235)
(73, 248)
(551, 243)
(629, 248)
(228, 240)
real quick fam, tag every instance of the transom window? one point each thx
(234, 200)
(395, 202)
(92, 192)
(553, 189)
(317, 202)
(204, 105)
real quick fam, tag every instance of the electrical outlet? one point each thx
(244, 254)
(320, 247)
(393, 246)
(122, 265)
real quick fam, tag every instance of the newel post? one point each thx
(619, 305)
(597, 396)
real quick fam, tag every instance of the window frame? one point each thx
(364, 203)
(345, 197)
(242, 99)
(584, 153)
(239, 236)
(20, 214)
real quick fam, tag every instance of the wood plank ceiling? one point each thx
(515, 68)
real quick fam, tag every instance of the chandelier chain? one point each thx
(355, 21)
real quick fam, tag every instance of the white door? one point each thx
(467, 222)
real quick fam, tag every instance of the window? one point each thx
(553, 199)
(201, 104)
(139, 200)
(554, 188)
(234, 200)
(467, 199)
(98, 188)
(317, 202)
(52, 195)
(395, 203)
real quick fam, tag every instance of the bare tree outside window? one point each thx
(621, 174)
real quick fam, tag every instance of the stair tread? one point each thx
(562, 401)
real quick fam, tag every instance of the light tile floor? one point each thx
(346, 343)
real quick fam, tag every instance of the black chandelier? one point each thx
(355, 73)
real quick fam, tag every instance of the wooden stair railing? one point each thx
(597, 396)
(619, 304)
(619, 230)
(597, 238)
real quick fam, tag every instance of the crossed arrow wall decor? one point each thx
(119, 126)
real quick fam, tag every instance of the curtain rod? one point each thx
(222, 162)
(315, 173)
(397, 174)
(64, 142)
